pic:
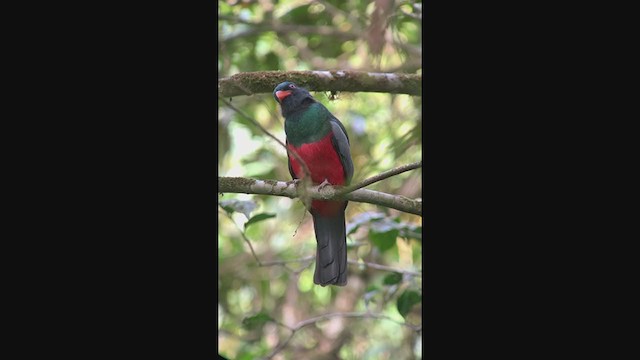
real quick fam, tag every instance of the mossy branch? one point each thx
(249, 83)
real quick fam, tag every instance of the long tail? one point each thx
(331, 255)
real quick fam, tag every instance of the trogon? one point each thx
(321, 141)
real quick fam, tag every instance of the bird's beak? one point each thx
(282, 94)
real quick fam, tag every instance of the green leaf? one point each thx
(372, 288)
(392, 278)
(383, 240)
(255, 321)
(245, 355)
(243, 206)
(407, 300)
(258, 218)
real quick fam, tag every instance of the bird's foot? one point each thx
(323, 184)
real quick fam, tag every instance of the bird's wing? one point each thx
(340, 141)
(293, 175)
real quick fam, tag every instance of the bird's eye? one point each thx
(292, 86)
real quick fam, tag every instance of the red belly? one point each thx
(324, 163)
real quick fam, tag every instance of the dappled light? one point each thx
(269, 306)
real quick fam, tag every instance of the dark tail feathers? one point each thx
(331, 255)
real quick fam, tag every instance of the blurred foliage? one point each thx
(385, 131)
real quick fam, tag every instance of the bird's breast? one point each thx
(322, 160)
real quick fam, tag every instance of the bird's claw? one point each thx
(323, 184)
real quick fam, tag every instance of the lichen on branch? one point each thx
(248, 83)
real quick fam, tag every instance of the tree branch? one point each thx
(291, 189)
(248, 83)
(381, 176)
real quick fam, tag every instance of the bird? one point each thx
(321, 141)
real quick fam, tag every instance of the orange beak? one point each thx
(282, 94)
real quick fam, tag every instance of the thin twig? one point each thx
(260, 28)
(305, 169)
(305, 260)
(243, 236)
(306, 179)
(313, 320)
(381, 176)
(350, 261)
(281, 262)
(385, 268)
(365, 315)
(281, 345)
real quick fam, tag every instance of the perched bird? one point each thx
(321, 140)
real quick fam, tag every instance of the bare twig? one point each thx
(243, 235)
(260, 28)
(381, 176)
(281, 345)
(385, 268)
(280, 262)
(306, 179)
(290, 190)
(365, 315)
(307, 322)
(305, 260)
(305, 169)
(350, 261)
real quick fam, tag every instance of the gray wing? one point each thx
(293, 175)
(340, 141)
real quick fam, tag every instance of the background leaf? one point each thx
(255, 321)
(383, 233)
(258, 218)
(407, 300)
(392, 278)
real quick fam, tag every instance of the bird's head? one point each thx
(291, 97)
(288, 89)
(283, 90)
